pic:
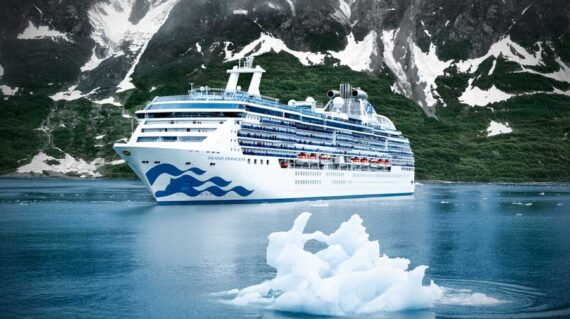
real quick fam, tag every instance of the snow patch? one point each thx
(388, 40)
(429, 67)
(524, 11)
(343, 12)
(66, 165)
(117, 162)
(475, 96)
(292, 6)
(8, 91)
(493, 67)
(99, 137)
(562, 75)
(506, 48)
(358, 55)
(240, 12)
(93, 62)
(109, 100)
(1, 72)
(42, 32)
(267, 43)
(71, 94)
(198, 47)
(496, 128)
(112, 29)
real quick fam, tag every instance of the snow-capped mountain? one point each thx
(438, 53)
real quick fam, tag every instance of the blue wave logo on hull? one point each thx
(187, 183)
(169, 169)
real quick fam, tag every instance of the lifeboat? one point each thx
(313, 156)
(302, 156)
(283, 164)
(355, 160)
(363, 161)
(325, 158)
(374, 162)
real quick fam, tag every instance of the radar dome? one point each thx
(338, 102)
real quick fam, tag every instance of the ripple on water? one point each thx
(504, 300)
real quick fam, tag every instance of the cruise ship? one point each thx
(232, 146)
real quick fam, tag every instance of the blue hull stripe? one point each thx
(274, 200)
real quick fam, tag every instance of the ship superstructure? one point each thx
(228, 146)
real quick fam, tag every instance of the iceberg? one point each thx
(347, 277)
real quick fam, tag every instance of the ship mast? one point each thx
(245, 66)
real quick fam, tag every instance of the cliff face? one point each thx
(446, 56)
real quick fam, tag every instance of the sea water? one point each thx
(96, 248)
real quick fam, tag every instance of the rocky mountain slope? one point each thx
(481, 86)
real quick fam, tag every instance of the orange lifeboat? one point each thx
(283, 164)
(313, 156)
(302, 156)
(355, 160)
(364, 160)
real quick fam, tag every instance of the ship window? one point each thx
(249, 160)
(156, 162)
(254, 161)
(191, 138)
(267, 162)
(263, 111)
(188, 163)
(212, 164)
(147, 139)
(293, 116)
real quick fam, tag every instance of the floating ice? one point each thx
(465, 297)
(347, 277)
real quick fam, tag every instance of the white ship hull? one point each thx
(176, 176)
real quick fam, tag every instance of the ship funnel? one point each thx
(333, 93)
(359, 94)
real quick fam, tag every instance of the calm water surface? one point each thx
(72, 248)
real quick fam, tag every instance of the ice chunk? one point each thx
(348, 277)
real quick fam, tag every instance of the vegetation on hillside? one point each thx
(454, 146)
